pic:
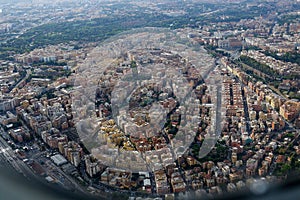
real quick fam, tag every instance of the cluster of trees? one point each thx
(289, 168)
(94, 30)
(251, 12)
(259, 66)
(50, 63)
(217, 154)
(288, 18)
(286, 57)
(99, 29)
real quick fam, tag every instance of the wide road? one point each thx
(216, 80)
(11, 158)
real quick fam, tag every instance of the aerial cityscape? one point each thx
(124, 99)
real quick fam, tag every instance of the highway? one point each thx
(10, 160)
(9, 155)
(28, 73)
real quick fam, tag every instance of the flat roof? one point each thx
(58, 159)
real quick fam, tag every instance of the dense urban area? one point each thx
(64, 71)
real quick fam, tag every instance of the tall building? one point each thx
(290, 110)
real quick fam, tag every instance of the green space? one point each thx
(99, 29)
(292, 57)
(289, 18)
(217, 154)
(259, 66)
(94, 30)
